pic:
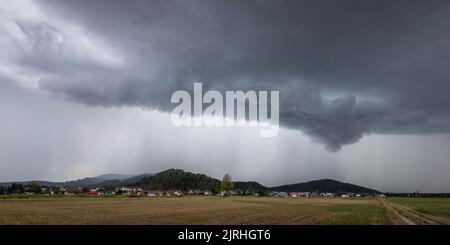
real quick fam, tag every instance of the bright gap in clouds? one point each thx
(30, 35)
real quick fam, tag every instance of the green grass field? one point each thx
(434, 206)
(349, 214)
(191, 210)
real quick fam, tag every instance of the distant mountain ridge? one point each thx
(324, 185)
(179, 179)
(91, 182)
(114, 176)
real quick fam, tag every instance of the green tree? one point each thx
(250, 190)
(34, 188)
(15, 189)
(261, 193)
(226, 186)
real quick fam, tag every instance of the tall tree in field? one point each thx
(226, 185)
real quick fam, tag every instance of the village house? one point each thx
(328, 194)
(345, 195)
(68, 193)
(195, 192)
(299, 194)
(154, 193)
(273, 193)
(92, 193)
(174, 193)
(281, 194)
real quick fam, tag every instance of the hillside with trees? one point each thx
(179, 179)
(324, 185)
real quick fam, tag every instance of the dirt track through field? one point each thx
(404, 216)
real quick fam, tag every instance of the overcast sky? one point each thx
(364, 87)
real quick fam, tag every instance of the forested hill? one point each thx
(324, 185)
(179, 179)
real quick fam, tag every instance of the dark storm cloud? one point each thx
(344, 68)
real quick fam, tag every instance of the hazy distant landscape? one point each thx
(177, 179)
(174, 196)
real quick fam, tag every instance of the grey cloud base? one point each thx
(343, 68)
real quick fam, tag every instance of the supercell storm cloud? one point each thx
(86, 86)
(344, 68)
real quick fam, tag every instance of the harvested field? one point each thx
(192, 210)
